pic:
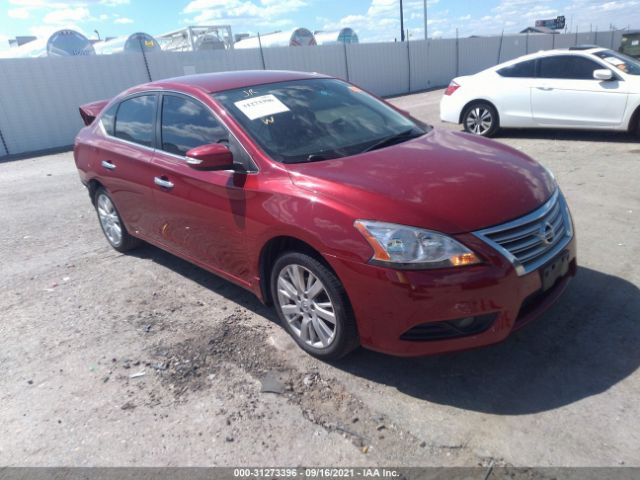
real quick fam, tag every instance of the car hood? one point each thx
(446, 181)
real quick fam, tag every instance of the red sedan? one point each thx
(361, 224)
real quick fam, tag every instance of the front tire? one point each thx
(111, 223)
(481, 118)
(313, 306)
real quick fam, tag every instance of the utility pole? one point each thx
(426, 36)
(401, 23)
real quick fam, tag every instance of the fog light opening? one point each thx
(448, 329)
(464, 322)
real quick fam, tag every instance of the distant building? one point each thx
(545, 30)
(297, 37)
(135, 42)
(240, 36)
(630, 43)
(196, 38)
(346, 35)
(63, 43)
(21, 40)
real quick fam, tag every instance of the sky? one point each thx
(373, 20)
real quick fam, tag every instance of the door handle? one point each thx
(163, 182)
(545, 89)
(108, 165)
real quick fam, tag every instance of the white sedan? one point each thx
(582, 88)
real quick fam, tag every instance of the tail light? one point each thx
(453, 86)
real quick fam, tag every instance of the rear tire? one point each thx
(481, 118)
(313, 306)
(111, 223)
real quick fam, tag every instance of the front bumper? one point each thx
(389, 303)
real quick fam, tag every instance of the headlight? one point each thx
(554, 182)
(399, 246)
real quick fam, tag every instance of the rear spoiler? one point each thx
(89, 111)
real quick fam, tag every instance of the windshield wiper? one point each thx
(317, 157)
(392, 139)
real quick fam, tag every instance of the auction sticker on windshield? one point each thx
(259, 107)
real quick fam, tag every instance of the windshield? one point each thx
(621, 61)
(316, 119)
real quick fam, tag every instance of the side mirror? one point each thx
(214, 156)
(603, 74)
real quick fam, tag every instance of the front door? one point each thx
(202, 213)
(566, 94)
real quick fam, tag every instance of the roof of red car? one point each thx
(217, 82)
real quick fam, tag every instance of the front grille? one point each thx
(530, 241)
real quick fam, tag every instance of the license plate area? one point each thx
(555, 269)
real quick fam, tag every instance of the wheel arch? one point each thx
(634, 121)
(272, 249)
(478, 100)
(92, 187)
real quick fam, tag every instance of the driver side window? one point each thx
(187, 124)
(569, 67)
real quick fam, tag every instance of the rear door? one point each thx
(566, 94)
(202, 213)
(124, 159)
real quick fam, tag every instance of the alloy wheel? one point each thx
(479, 120)
(109, 219)
(306, 306)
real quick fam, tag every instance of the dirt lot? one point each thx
(143, 359)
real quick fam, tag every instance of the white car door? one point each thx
(565, 94)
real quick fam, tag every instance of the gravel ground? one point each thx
(146, 360)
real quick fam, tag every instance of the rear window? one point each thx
(519, 70)
(108, 118)
(134, 120)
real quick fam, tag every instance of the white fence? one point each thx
(39, 97)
